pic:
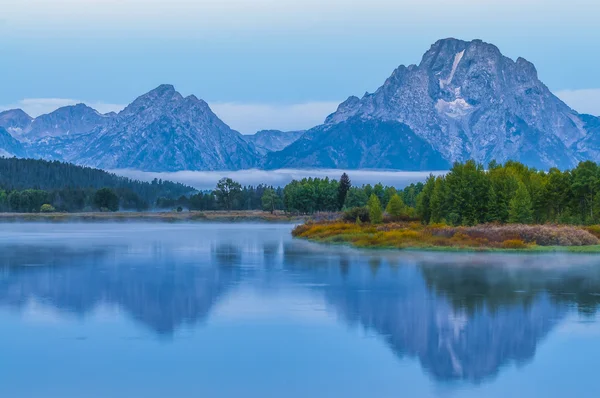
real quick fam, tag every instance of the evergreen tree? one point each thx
(521, 209)
(375, 212)
(343, 188)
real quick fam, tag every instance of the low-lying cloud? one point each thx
(208, 179)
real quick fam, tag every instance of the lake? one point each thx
(243, 310)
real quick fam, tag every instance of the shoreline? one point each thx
(188, 216)
(595, 249)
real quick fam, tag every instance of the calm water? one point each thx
(218, 310)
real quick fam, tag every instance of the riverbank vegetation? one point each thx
(415, 235)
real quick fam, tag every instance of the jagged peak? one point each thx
(443, 51)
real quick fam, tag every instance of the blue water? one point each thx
(232, 310)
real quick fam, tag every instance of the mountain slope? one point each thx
(467, 101)
(15, 121)
(266, 141)
(9, 146)
(352, 144)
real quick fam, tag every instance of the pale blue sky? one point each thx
(273, 64)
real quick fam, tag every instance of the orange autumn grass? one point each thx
(415, 235)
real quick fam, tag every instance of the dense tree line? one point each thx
(511, 193)
(228, 195)
(64, 178)
(311, 195)
(70, 200)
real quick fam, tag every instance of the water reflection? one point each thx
(464, 317)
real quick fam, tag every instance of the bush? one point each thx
(355, 213)
(514, 244)
(47, 208)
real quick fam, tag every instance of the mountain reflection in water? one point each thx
(463, 316)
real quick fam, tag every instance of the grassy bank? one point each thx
(415, 236)
(192, 216)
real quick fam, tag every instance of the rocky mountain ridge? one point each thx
(467, 101)
(464, 100)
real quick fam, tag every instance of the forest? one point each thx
(28, 184)
(511, 193)
(469, 194)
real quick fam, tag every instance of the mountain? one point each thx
(15, 121)
(266, 141)
(9, 146)
(159, 131)
(467, 101)
(66, 121)
(360, 144)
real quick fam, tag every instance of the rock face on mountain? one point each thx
(9, 146)
(159, 131)
(266, 141)
(467, 101)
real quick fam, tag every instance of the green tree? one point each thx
(106, 199)
(492, 215)
(227, 192)
(356, 198)
(47, 208)
(586, 183)
(424, 199)
(521, 209)
(269, 200)
(375, 212)
(343, 188)
(396, 208)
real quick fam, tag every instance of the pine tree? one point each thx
(343, 188)
(521, 210)
(395, 207)
(375, 212)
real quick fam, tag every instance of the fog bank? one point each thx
(208, 179)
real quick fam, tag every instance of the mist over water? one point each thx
(208, 179)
